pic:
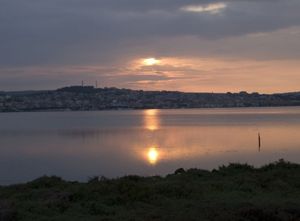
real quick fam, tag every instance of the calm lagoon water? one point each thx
(78, 145)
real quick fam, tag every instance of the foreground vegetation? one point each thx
(233, 192)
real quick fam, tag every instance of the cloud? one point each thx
(74, 31)
(111, 34)
(173, 73)
(210, 8)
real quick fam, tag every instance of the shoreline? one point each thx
(232, 192)
(141, 109)
(79, 98)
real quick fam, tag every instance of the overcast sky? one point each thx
(187, 45)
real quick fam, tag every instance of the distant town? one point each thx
(85, 98)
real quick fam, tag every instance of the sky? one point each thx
(184, 45)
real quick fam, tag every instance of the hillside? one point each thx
(89, 98)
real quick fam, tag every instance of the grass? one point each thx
(233, 192)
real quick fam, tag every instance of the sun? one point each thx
(150, 61)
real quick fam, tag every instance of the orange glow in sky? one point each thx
(207, 74)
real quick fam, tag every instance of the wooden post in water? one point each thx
(259, 142)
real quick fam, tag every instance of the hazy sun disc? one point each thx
(150, 61)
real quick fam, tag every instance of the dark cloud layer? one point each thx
(35, 32)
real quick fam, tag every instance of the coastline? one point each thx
(141, 109)
(88, 98)
(232, 192)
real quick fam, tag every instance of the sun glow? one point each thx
(152, 155)
(150, 61)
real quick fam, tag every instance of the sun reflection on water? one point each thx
(153, 155)
(151, 119)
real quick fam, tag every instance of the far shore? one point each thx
(141, 109)
(89, 98)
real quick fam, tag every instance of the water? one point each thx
(78, 145)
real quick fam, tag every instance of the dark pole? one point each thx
(259, 142)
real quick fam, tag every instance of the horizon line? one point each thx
(121, 88)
